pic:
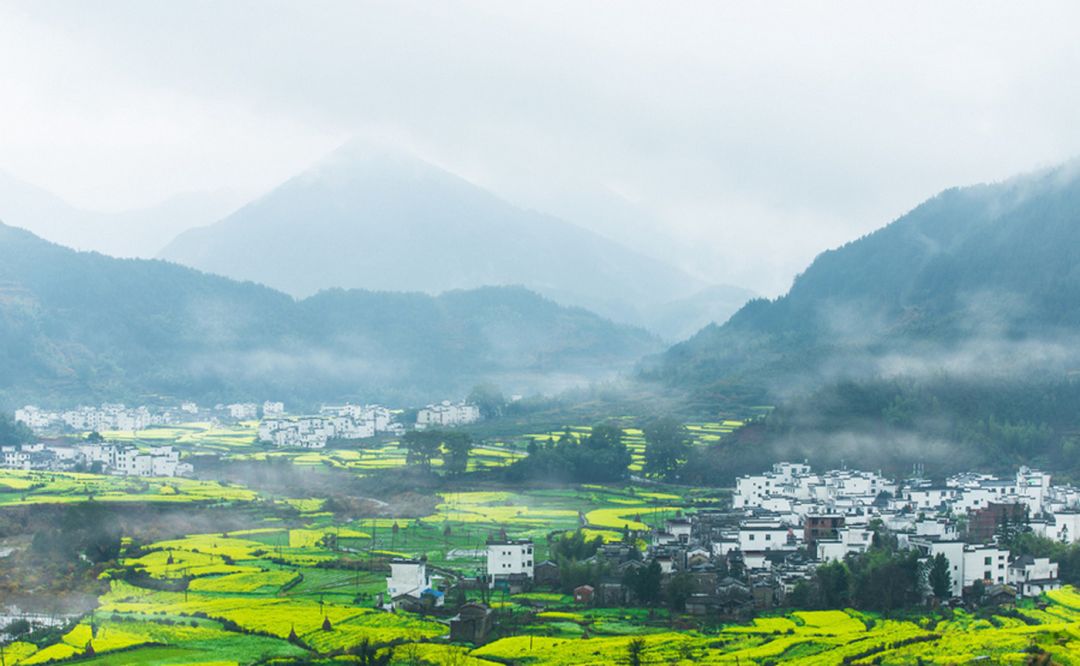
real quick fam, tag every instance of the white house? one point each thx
(273, 409)
(759, 535)
(1031, 576)
(849, 539)
(680, 528)
(986, 563)
(930, 499)
(447, 414)
(1066, 527)
(409, 578)
(509, 559)
(243, 411)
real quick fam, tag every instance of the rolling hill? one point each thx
(79, 326)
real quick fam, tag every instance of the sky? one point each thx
(737, 140)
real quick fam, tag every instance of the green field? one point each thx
(18, 487)
(303, 583)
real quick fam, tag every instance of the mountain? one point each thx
(960, 284)
(949, 337)
(140, 232)
(387, 221)
(79, 326)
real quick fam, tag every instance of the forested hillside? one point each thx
(82, 326)
(955, 327)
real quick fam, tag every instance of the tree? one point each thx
(886, 580)
(456, 447)
(489, 399)
(421, 446)
(574, 546)
(680, 587)
(14, 432)
(834, 585)
(601, 456)
(634, 651)
(367, 654)
(667, 446)
(939, 577)
(645, 582)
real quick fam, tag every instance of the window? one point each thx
(768, 537)
(987, 560)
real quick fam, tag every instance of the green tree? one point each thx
(939, 577)
(575, 546)
(635, 651)
(14, 432)
(645, 582)
(679, 589)
(834, 585)
(886, 580)
(421, 446)
(667, 446)
(456, 447)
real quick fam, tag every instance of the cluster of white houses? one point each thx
(119, 417)
(829, 515)
(447, 414)
(105, 457)
(105, 417)
(344, 422)
(788, 521)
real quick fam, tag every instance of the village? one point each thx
(781, 526)
(58, 450)
(94, 456)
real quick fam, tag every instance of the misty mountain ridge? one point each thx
(140, 232)
(976, 281)
(386, 221)
(949, 338)
(80, 326)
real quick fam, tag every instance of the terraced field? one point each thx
(19, 487)
(814, 638)
(273, 591)
(194, 437)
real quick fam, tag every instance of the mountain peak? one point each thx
(369, 217)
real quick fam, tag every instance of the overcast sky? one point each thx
(738, 139)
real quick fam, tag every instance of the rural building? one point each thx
(1031, 576)
(447, 414)
(472, 624)
(821, 526)
(583, 594)
(410, 578)
(546, 573)
(509, 561)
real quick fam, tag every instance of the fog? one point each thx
(735, 140)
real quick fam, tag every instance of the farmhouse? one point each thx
(509, 562)
(447, 414)
(409, 579)
(1031, 576)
